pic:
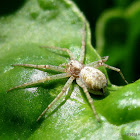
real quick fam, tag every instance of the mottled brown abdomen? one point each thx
(93, 78)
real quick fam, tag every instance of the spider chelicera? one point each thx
(88, 77)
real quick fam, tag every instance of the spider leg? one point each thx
(96, 64)
(82, 55)
(115, 69)
(58, 76)
(82, 85)
(63, 65)
(70, 80)
(72, 57)
(56, 68)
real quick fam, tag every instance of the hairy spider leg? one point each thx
(57, 76)
(95, 64)
(82, 55)
(83, 86)
(115, 69)
(55, 68)
(68, 83)
(63, 65)
(72, 57)
(105, 58)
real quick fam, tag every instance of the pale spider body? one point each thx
(88, 77)
(94, 80)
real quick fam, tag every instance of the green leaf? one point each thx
(55, 23)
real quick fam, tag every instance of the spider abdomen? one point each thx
(93, 78)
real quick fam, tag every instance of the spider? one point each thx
(88, 77)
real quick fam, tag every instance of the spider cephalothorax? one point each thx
(75, 68)
(88, 77)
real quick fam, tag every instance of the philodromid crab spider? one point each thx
(88, 77)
